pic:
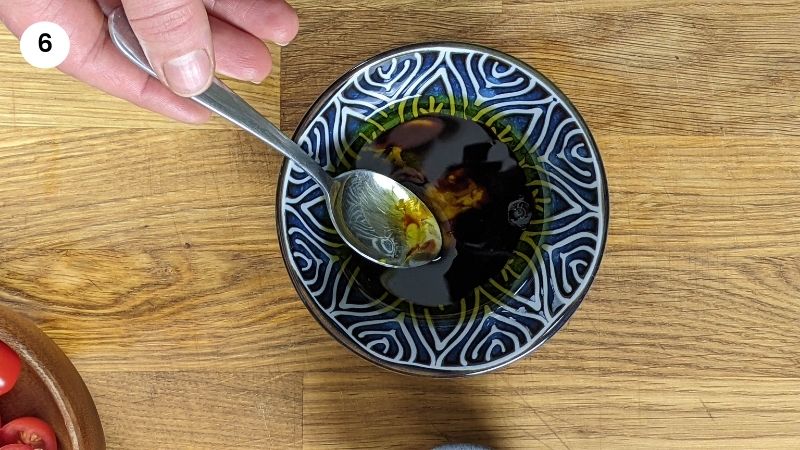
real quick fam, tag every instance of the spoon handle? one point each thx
(223, 101)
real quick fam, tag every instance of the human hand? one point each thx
(185, 41)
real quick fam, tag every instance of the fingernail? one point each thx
(283, 40)
(258, 80)
(189, 74)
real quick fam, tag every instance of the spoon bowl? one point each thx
(364, 207)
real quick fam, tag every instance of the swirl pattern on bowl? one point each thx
(499, 325)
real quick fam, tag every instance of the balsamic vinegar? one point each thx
(476, 188)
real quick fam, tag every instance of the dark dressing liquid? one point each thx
(476, 188)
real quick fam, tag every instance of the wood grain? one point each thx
(148, 251)
(200, 410)
(427, 7)
(585, 410)
(205, 186)
(690, 69)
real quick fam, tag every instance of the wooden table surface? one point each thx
(147, 249)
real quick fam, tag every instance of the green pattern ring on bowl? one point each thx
(555, 261)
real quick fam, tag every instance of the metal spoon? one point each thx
(375, 215)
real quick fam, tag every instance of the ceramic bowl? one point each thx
(552, 267)
(49, 387)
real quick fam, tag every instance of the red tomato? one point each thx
(10, 366)
(29, 430)
(16, 447)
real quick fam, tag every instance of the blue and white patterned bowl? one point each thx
(555, 263)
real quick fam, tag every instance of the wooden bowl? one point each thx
(49, 387)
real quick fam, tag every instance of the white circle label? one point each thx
(44, 45)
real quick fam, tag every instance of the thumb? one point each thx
(176, 37)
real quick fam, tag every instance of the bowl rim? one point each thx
(299, 286)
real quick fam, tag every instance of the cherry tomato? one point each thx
(10, 366)
(29, 430)
(16, 447)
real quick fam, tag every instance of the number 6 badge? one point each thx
(44, 45)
